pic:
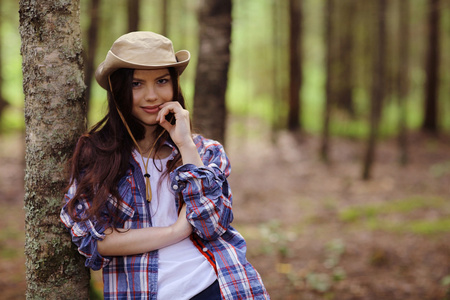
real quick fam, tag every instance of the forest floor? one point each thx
(314, 230)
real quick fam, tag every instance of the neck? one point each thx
(148, 143)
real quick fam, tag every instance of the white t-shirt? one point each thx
(183, 271)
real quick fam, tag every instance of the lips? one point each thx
(151, 109)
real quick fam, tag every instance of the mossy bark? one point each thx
(54, 118)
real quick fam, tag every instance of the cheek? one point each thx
(167, 95)
(135, 102)
(137, 96)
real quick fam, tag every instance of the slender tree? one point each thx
(54, 117)
(377, 94)
(133, 15)
(212, 68)
(165, 17)
(91, 47)
(343, 61)
(277, 87)
(430, 122)
(3, 102)
(403, 77)
(295, 70)
(328, 88)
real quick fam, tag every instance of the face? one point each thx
(151, 88)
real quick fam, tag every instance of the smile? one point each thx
(151, 109)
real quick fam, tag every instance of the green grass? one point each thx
(424, 227)
(10, 238)
(373, 216)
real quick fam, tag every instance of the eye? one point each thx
(163, 81)
(135, 84)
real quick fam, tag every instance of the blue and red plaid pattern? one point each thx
(208, 199)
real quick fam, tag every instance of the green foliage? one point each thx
(446, 281)
(323, 281)
(333, 252)
(441, 169)
(277, 238)
(259, 43)
(320, 282)
(12, 118)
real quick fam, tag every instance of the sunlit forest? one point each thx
(337, 128)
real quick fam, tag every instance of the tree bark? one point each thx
(133, 15)
(430, 122)
(295, 71)
(212, 68)
(54, 118)
(377, 93)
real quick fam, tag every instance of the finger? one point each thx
(174, 107)
(165, 109)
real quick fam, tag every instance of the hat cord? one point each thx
(148, 188)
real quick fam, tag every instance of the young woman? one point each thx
(149, 202)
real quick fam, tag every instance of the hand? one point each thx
(182, 227)
(180, 132)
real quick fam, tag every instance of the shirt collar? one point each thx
(166, 143)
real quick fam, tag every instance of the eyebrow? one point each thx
(157, 78)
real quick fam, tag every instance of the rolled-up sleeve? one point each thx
(205, 190)
(85, 234)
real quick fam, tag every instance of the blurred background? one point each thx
(337, 127)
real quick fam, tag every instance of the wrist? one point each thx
(189, 154)
(188, 145)
(179, 230)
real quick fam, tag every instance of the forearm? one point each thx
(189, 154)
(136, 241)
(205, 189)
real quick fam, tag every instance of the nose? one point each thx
(150, 94)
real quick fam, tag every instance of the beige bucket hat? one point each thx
(142, 50)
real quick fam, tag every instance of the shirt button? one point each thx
(177, 178)
(80, 206)
(175, 187)
(205, 249)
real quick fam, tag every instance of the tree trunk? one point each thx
(133, 15)
(91, 48)
(344, 59)
(212, 68)
(3, 102)
(430, 122)
(54, 118)
(277, 86)
(403, 77)
(377, 93)
(165, 17)
(295, 71)
(328, 90)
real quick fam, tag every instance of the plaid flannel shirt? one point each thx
(208, 201)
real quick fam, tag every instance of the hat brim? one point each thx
(113, 63)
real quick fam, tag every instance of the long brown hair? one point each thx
(101, 156)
